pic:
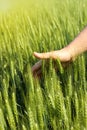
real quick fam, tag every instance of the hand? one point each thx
(63, 55)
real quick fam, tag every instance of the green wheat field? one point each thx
(58, 100)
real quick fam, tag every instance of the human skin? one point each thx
(67, 54)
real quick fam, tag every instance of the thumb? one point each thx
(46, 55)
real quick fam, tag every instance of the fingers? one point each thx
(38, 74)
(46, 55)
(36, 69)
(37, 66)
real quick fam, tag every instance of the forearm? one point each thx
(79, 44)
